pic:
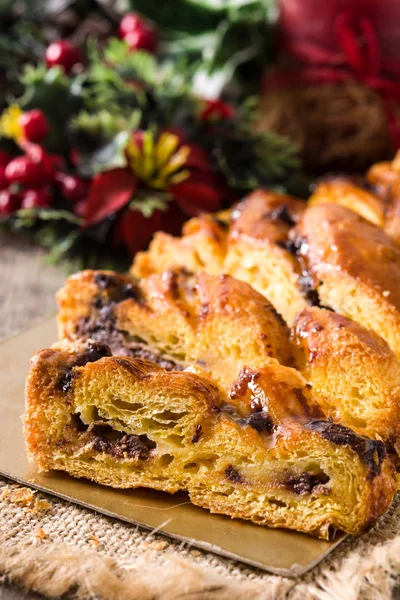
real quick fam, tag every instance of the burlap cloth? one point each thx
(59, 549)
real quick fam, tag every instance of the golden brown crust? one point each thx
(353, 266)
(216, 322)
(255, 455)
(250, 246)
(353, 371)
(344, 192)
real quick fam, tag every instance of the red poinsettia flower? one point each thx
(165, 164)
(217, 110)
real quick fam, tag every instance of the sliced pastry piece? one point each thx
(258, 250)
(251, 244)
(259, 452)
(176, 319)
(345, 192)
(352, 370)
(353, 266)
(382, 175)
(202, 247)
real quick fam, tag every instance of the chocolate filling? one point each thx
(199, 432)
(224, 225)
(117, 289)
(283, 214)
(102, 328)
(371, 452)
(306, 285)
(92, 353)
(306, 483)
(260, 421)
(121, 445)
(233, 475)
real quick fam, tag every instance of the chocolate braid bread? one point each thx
(338, 261)
(250, 243)
(258, 451)
(176, 320)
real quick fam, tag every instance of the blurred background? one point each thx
(121, 118)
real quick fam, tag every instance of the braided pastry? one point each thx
(258, 451)
(186, 376)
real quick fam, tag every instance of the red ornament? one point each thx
(35, 125)
(24, 170)
(3, 179)
(63, 54)
(217, 110)
(73, 188)
(9, 202)
(130, 22)
(143, 38)
(36, 198)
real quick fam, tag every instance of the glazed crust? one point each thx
(353, 266)
(249, 243)
(260, 452)
(344, 192)
(352, 370)
(216, 322)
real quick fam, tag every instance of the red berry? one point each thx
(24, 170)
(4, 158)
(36, 198)
(63, 54)
(34, 125)
(9, 202)
(3, 179)
(73, 188)
(128, 23)
(142, 38)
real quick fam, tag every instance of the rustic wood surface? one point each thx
(27, 284)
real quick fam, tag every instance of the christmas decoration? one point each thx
(63, 54)
(138, 34)
(99, 151)
(336, 90)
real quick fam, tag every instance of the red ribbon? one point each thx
(358, 59)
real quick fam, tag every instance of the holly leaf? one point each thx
(109, 192)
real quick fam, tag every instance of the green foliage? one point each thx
(227, 41)
(249, 159)
(58, 96)
(29, 217)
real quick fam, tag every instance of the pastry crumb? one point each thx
(23, 496)
(93, 541)
(41, 505)
(40, 534)
(158, 545)
(195, 553)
